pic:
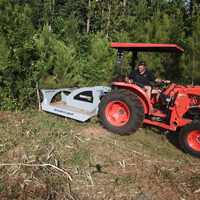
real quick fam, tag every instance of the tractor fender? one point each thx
(141, 94)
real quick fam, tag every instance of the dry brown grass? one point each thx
(44, 150)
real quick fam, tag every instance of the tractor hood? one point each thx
(145, 47)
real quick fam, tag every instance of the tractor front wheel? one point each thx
(190, 138)
(121, 112)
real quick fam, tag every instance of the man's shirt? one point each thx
(142, 78)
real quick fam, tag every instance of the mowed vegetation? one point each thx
(44, 156)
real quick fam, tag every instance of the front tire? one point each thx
(121, 112)
(190, 138)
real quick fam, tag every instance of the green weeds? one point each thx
(170, 175)
(2, 189)
(80, 157)
(124, 181)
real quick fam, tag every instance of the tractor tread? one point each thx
(135, 106)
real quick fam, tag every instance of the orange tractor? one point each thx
(123, 110)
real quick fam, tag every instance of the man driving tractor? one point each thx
(143, 76)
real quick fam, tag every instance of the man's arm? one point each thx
(159, 80)
(127, 80)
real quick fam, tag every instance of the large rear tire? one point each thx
(190, 138)
(121, 112)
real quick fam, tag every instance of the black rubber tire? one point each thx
(134, 105)
(183, 137)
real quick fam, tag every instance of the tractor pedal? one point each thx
(157, 119)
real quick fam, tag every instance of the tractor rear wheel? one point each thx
(121, 112)
(190, 138)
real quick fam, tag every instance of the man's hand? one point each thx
(130, 81)
(127, 80)
(166, 81)
(159, 80)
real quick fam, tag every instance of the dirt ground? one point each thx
(146, 165)
(142, 176)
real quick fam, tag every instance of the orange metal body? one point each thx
(184, 98)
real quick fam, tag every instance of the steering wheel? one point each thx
(162, 86)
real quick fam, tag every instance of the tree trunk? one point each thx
(38, 97)
(108, 26)
(88, 20)
(50, 10)
(124, 2)
(193, 69)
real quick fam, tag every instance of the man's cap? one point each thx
(142, 63)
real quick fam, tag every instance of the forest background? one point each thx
(66, 43)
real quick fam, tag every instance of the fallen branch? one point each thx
(112, 144)
(50, 153)
(90, 177)
(122, 163)
(38, 165)
(196, 191)
(69, 189)
(126, 148)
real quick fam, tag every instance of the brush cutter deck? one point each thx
(81, 104)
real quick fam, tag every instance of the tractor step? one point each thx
(159, 113)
